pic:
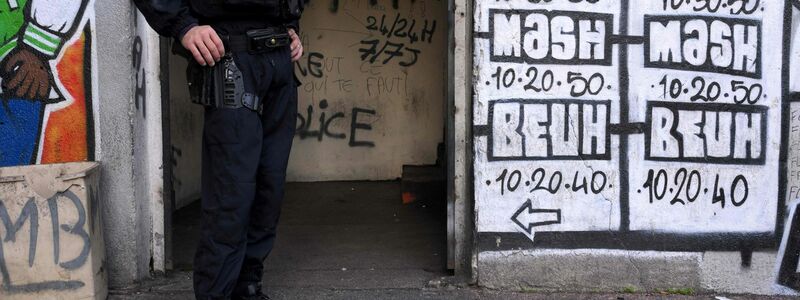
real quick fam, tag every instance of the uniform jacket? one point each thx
(174, 17)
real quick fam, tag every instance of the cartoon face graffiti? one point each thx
(33, 34)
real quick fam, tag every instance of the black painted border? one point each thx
(708, 65)
(608, 18)
(629, 240)
(89, 93)
(716, 107)
(787, 270)
(490, 140)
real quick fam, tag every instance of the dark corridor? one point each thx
(344, 235)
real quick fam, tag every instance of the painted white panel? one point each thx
(714, 182)
(547, 86)
(689, 111)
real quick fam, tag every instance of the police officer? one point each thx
(244, 51)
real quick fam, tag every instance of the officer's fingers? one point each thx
(218, 42)
(212, 47)
(188, 39)
(196, 54)
(297, 53)
(209, 60)
(296, 49)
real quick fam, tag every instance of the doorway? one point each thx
(366, 203)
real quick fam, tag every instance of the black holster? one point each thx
(220, 86)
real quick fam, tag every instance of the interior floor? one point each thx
(343, 235)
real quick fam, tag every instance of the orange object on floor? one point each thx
(409, 197)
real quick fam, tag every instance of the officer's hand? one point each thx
(297, 46)
(205, 45)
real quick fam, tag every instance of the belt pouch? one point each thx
(267, 39)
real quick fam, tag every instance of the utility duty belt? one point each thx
(222, 86)
(257, 41)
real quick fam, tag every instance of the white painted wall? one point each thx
(148, 149)
(570, 159)
(544, 70)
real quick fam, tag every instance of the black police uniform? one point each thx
(245, 149)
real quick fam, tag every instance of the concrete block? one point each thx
(588, 270)
(724, 272)
(52, 241)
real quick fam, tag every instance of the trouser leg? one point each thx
(231, 148)
(278, 120)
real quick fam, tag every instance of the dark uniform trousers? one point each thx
(243, 176)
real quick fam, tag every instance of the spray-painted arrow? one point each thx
(534, 217)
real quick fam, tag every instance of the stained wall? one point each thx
(373, 89)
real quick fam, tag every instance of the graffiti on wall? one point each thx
(394, 40)
(32, 214)
(654, 126)
(309, 127)
(373, 85)
(347, 90)
(46, 104)
(140, 85)
(51, 242)
(323, 77)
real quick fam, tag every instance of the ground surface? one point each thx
(352, 240)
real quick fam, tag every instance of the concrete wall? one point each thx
(635, 144)
(85, 118)
(87, 112)
(148, 149)
(374, 83)
(460, 202)
(114, 80)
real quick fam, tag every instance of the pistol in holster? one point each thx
(220, 86)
